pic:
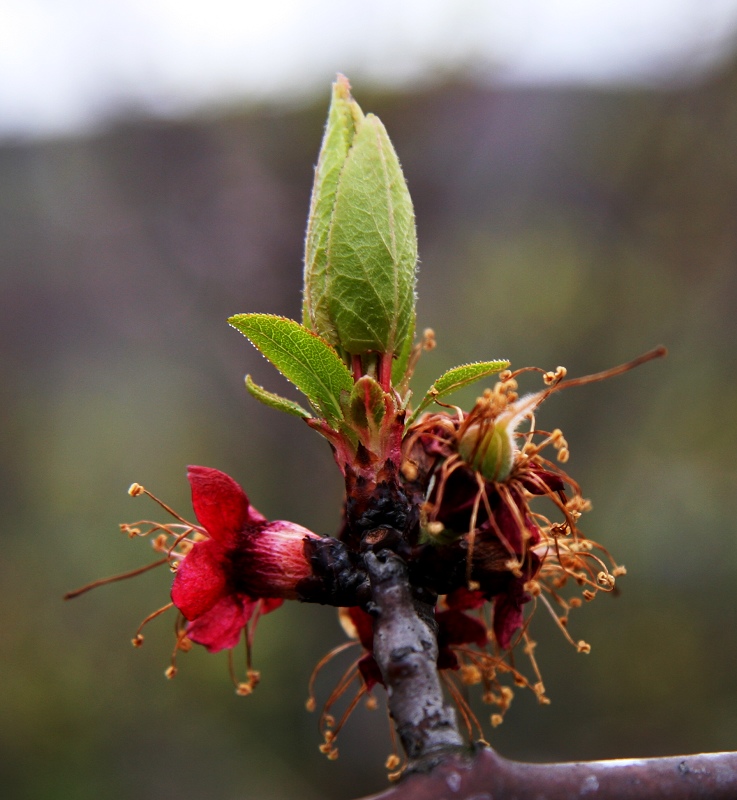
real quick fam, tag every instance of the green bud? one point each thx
(361, 246)
(488, 444)
(488, 449)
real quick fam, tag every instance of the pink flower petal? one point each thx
(457, 628)
(464, 599)
(200, 580)
(220, 628)
(269, 604)
(370, 672)
(220, 504)
(364, 624)
(508, 615)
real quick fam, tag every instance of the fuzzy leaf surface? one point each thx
(367, 404)
(343, 118)
(305, 359)
(457, 378)
(275, 401)
(372, 248)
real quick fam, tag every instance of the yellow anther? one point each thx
(470, 674)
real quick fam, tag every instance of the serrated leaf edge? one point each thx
(274, 400)
(433, 392)
(334, 411)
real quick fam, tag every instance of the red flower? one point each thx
(245, 565)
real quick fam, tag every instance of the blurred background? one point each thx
(574, 175)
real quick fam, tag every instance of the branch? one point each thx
(440, 766)
(709, 776)
(406, 650)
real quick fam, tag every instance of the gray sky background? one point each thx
(69, 65)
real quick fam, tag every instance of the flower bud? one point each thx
(487, 444)
(361, 246)
(488, 448)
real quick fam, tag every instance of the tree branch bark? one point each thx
(487, 776)
(442, 767)
(406, 650)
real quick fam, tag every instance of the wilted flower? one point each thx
(483, 536)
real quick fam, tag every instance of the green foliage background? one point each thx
(555, 227)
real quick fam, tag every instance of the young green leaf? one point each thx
(344, 117)
(401, 358)
(366, 404)
(275, 401)
(305, 359)
(372, 248)
(457, 378)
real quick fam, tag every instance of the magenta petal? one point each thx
(457, 628)
(508, 615)
(370, 672)
(364, 623)
(220, 628)
(464, 599)
(200, 580)
(269, 604)
(220, 504)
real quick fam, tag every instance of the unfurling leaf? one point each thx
(457, 378)
(361, 247)
(305, 359)
(343, 117)
(275, 401)
(366, 404)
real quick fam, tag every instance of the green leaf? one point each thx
(275, 401)
(401, 360)
(457, 378)
(367, 404)
(305, 359)
(343, 119)
(369, 291)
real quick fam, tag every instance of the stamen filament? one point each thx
(113, 578)
(151, 616)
